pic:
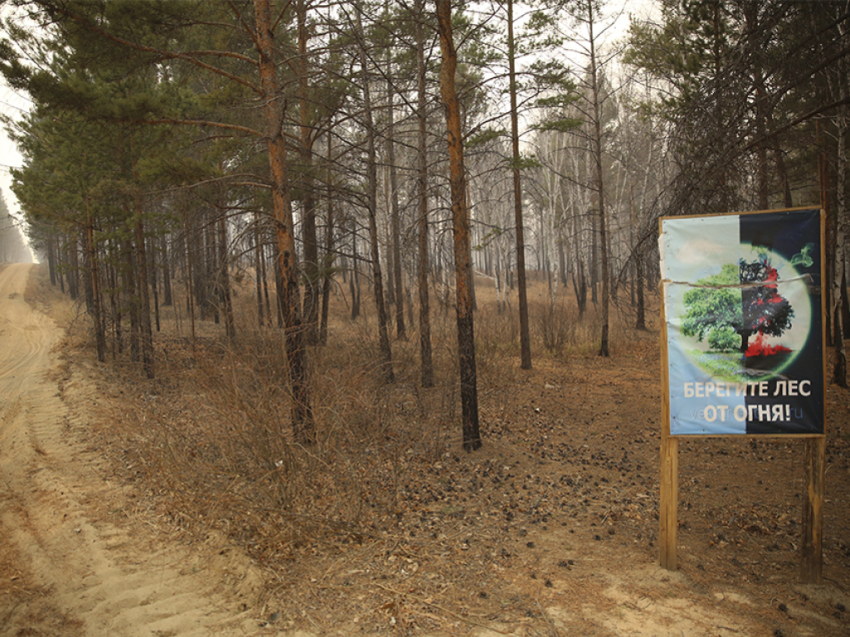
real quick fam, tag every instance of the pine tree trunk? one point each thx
(167, 300)
(751, 10)
(258, 269)
(51, 259)
(593, 266)
(395, 221)
(354, 279)
(130, 285)
(524, 333)
(190, 281)
(327, 269)
(640, 324)
(308, 223)
(94, 274)
(460, 231)
(224, 280)
(425, 354)
(73, 268)
(597, 152)
(264, 277)
(372, 205)
(212, 281)
(145, 333)
(145, 330)
(302, 414)
(115, 306)
(153, 271)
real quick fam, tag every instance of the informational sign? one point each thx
(744, 323)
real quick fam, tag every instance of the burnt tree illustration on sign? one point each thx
(728, 308)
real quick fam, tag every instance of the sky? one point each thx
(12, 104)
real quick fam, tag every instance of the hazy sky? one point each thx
(11, 104)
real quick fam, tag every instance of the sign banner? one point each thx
(744, 323)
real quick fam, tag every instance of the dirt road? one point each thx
(64, 571)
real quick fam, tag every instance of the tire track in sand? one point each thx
(92, 577)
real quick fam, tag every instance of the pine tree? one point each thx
(460, 229)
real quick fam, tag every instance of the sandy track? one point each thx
(75, 573)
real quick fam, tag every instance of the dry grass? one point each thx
(212, 433)
(69, 314)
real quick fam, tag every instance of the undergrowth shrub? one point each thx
(219, 440)
(212, 436)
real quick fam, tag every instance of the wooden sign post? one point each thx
(811, 552)
(669, 514)
(742, 348)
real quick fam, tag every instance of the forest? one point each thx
(335, 223)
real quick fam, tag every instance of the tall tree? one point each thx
(525, 338)
(426, 361)
(460, 228)
(597, 151)
(302, 414)
(308, 200)
(372, 203)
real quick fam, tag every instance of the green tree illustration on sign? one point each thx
(741, 300)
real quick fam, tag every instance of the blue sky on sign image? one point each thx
(691, 250)
(696, 248)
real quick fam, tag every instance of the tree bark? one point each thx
(524, 334)
(145, 332)
(145, 329)
(372, 204)
(258, 260)
(224, 280)
(308, 200)
(73, 268)
(751, 10)
(153, 274)
(354, 279)
(327, 267)
(97, 305)
(426, 361)
(166, 273)
(460, 231)
(395, 222)
(640, 284)
(190, 281)
(302, 413)
(597, 152)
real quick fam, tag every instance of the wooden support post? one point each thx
(811, 553)
(668, 514)
(669, 506)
